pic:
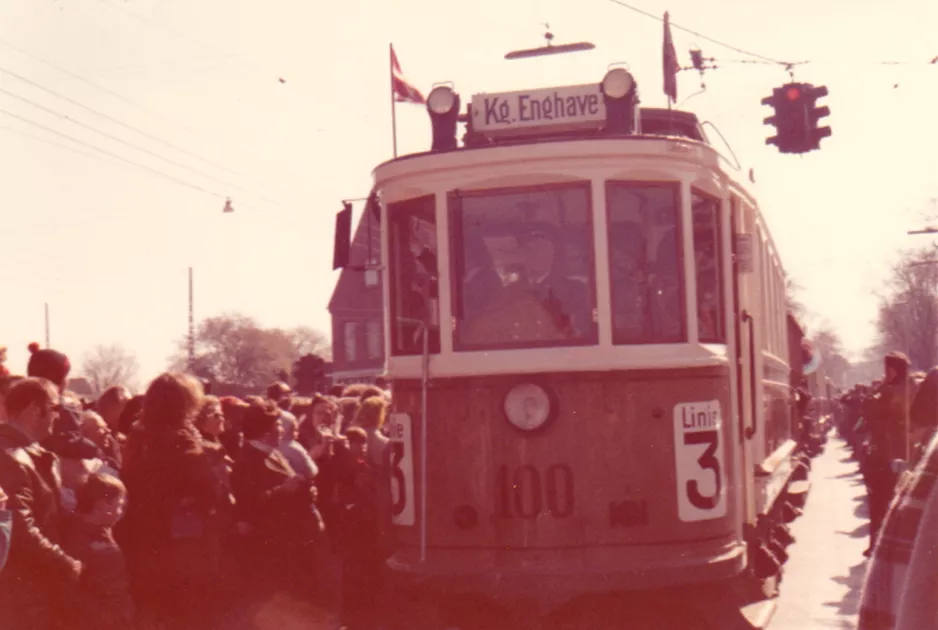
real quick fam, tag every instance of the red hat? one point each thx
(49, 364)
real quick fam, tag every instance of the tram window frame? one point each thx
(701, 197)
(619, 336)
(455, 209)
(399, 216)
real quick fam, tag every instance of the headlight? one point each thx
(441, 100)
(528, 407)
(617, 83)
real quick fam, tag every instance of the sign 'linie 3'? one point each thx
(527, 111)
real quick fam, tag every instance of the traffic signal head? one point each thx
(796, 117)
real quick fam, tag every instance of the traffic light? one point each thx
(796, 117)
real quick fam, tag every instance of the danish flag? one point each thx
(404, 92)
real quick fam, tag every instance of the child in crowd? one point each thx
(103, 593)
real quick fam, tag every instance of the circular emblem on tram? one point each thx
(528, 407)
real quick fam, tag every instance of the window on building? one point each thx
(413, 274)
(706, 215)
(373, 339)
(645, 262)
(522, 268)
(350, 339)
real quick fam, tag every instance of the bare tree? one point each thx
(794, 304)
(908, 311)
(306, 340)
(109, 365)
(233, 349)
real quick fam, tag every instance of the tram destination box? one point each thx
(536, 111)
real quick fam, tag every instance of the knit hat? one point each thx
(47, 363)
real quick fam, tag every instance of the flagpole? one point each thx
(393, 103)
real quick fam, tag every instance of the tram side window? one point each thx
(645, 263)
(706, 216)
(522, 267)
(414, 276)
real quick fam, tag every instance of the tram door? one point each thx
(745, 344)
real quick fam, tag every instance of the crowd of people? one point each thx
(891, 425)
(173, 508)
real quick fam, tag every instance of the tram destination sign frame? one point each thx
(532, 111)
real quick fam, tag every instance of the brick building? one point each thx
(357, 311)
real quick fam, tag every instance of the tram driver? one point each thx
(566, 300)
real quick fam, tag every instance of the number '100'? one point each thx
(524, 493)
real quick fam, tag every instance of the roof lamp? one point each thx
(617, 83)
(441, 100)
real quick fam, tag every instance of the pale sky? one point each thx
(107, 244)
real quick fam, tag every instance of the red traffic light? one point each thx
(793, 93)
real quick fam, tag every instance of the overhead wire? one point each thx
(758, 58)
(113, 94)
(136, 130)
(702, 36)
(135, 146)
(144, 167)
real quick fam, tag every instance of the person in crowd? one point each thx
(360, 540)
(95, 430)
(6, 528)
(888, 422)
(78, 459)
(233, 438)
(277, 504)
(102, 599)
(298, 457)
(111, 405)
(210, 422)
(899, 586)
(175, 497)
(6, 382)
(281, 394)
(348, 407)
(131, 414)
(39, 571)
(370, 416)
(336, 390)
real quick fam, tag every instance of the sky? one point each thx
(284, 107)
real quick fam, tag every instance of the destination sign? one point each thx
(571, 107)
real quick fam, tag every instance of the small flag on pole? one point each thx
(403, 91)
(670, 63)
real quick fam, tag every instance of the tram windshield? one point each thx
(414, 276)
(523, 272)
(645, 263)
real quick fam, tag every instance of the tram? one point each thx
(587, 339)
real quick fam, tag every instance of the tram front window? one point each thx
(523, 272)
(645, 270)
(414, 276)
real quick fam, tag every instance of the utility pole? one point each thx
(191, 325)
(47, 325)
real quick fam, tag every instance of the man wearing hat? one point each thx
(566, 300)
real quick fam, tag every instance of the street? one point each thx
(822, 579)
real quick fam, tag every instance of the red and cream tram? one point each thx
(587, 339)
